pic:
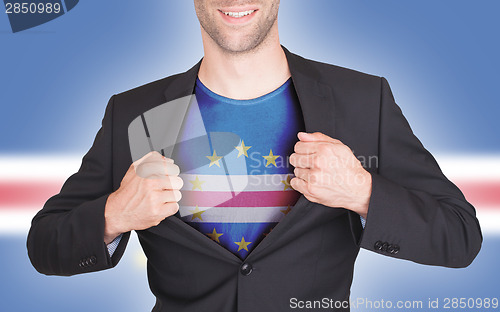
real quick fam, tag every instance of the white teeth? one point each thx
(239, 14)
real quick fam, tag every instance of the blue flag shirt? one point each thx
(233, 158)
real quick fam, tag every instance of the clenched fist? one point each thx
(148, 193)
(327, 172)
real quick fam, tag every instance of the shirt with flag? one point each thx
(233, 156)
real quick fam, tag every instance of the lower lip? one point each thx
(237, 20)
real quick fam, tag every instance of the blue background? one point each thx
(441, 59)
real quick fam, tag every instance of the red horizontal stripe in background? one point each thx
(34, 194)
(27, 194)
(482, 193)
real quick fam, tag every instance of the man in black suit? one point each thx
(411, 210)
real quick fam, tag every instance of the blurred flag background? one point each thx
(440, 57)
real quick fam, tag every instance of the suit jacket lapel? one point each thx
(183, 84)
(315, 97)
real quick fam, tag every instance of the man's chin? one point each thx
(240, 45)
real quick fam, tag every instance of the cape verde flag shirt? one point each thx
(233, 158)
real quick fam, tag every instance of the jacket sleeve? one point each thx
(415, 212)
(67, 236)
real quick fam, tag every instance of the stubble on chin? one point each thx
(244, 44)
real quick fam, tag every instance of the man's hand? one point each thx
(328, 173)
(148, 193)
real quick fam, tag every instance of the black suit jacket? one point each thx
(415, 212)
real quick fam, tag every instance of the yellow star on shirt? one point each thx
(214, 159)
(242, 244)
(215, 236)
(197, 183)
(287, 183)
(197, 213)
(287, 210)
(242, 149)
(271, 159)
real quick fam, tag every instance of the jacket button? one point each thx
(390, 249)
(396, 249)
(82, 263)
(93, 260)
(384, 246)
(246, 269)
(378, 245)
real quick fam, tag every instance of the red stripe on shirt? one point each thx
(242, 199)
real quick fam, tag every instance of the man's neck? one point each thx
(244, 75)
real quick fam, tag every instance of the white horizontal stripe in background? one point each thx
(16, 222)
(54, 168)
(470, 167)
(39, 168)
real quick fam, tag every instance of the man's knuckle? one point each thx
(180, 182)
(177, 195)
(171, 208)
(296, 147)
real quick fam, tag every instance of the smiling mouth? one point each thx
(239, 14)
